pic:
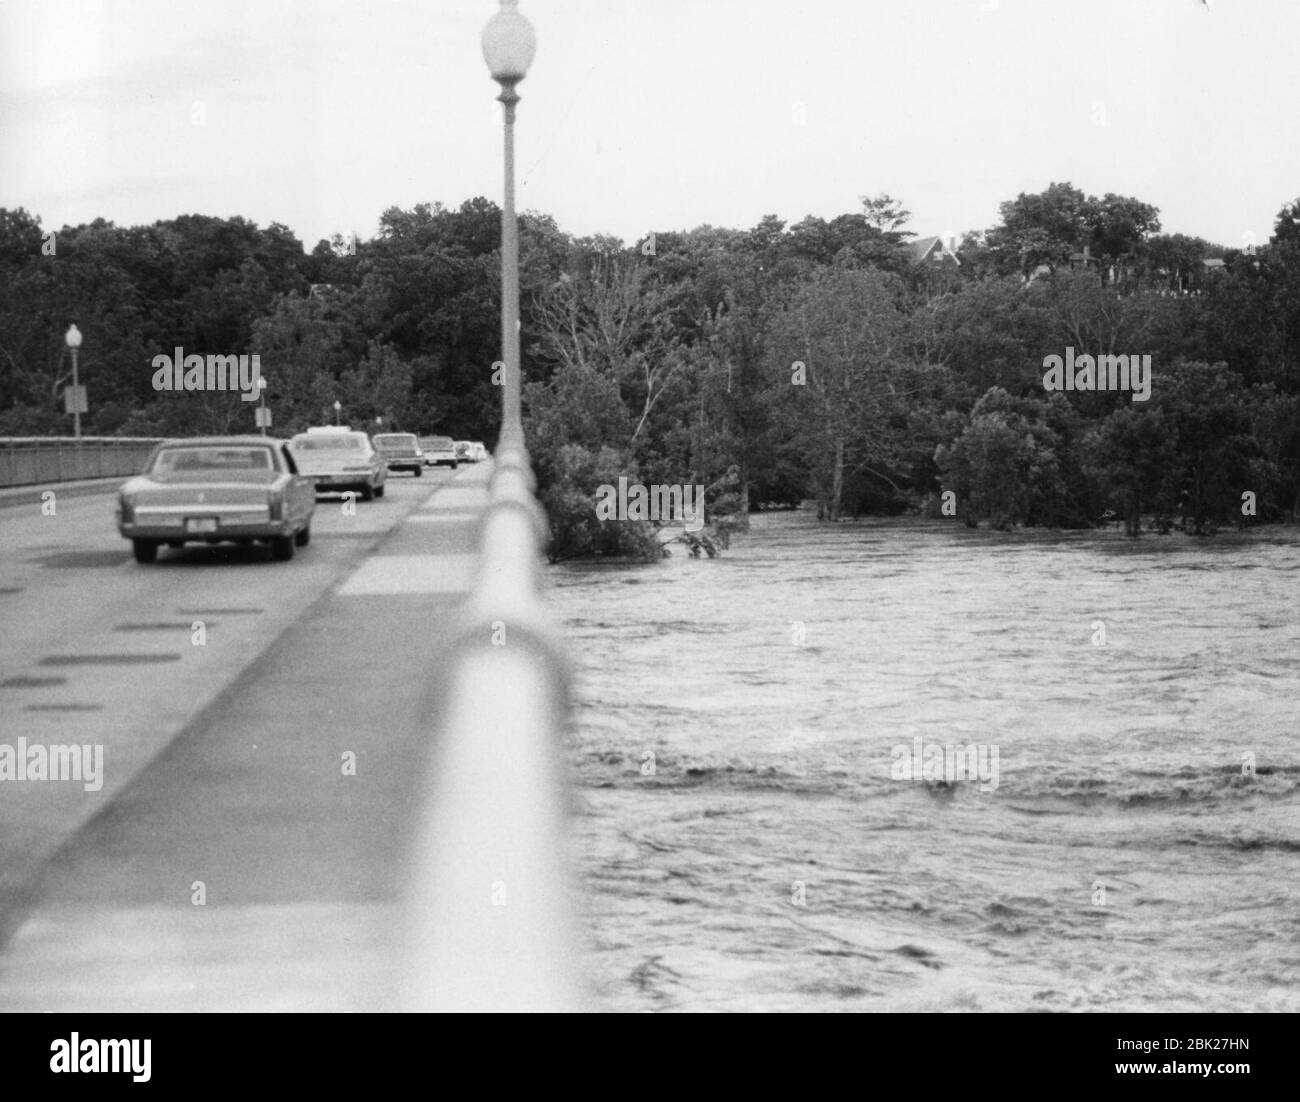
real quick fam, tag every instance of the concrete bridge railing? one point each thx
(28, 460)
(492, 924)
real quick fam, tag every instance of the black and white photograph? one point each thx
(649, 506)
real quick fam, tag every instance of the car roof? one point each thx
(209, 441)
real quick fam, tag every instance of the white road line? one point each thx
(393, 575)
(460, 516)
(476, 496)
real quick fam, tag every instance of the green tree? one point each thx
(302, 360)
(1006, 465)
(1133, 453)
(847, 328)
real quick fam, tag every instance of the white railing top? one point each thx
(490, 903)
(7, 441)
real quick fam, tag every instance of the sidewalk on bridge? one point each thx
(257, 863)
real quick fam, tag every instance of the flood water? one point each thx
(1137, 848)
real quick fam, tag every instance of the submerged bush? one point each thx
(568, 485)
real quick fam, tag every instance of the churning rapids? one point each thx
(1127, 858)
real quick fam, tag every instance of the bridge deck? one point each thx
(301, 866)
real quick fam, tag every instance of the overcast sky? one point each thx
(646, 115)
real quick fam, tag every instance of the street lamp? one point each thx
(261, 389)
(508, 48)
(73, 337)
(337, 406)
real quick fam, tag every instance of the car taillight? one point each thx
(127, 505)
(274, 506)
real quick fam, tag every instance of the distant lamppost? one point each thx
(337, 407)
(379, 424)
(261, 389)
(73, 337)
(508, 48)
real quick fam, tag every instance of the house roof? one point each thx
(922, 247)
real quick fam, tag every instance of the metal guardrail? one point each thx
(491, 925)
(30, 460)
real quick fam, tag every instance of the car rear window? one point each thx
(212, 459)
(396, 440)
(323, 443)
(438, 442)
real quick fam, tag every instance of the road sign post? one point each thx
(74, 400)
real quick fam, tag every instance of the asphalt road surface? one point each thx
(233, 858)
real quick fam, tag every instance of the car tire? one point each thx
(145, 551)
(367, 492)
(282, 548)
(303, 538)
(455, 464)
(419, 472)
(379, 490)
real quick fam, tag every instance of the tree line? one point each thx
(839, 360)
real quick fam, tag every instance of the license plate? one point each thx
(200, 524)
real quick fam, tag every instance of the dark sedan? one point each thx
(401, 451)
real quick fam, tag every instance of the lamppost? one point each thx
(508, 48)
(261, 389)
(337, 406)
(73, 337)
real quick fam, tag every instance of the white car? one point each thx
(471, 451)
(439, 450)
(336, 458)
